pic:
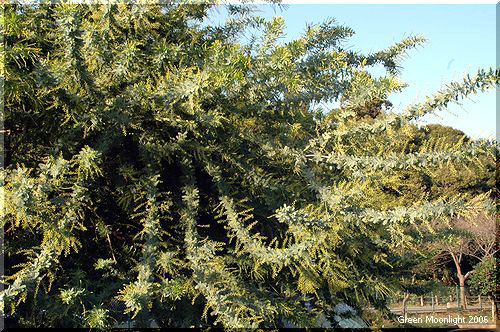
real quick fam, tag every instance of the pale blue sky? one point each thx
(461, 39)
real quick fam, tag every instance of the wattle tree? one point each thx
(158, 168)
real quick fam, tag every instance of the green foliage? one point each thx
(159, 168)
(484, 276)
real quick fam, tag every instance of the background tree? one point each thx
(484, 281)
(459, 240)
(157, 167)
(458, 244)
(473, 237)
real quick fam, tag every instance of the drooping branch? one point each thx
(454, 91)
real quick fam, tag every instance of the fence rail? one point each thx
(443, 299)
(446, 301)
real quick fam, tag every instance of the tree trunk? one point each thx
(422, 301)
(493, 309)
(405, 299)
(461, 281)
(461, 278)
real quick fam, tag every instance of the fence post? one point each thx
(480, 302)
(432, 302)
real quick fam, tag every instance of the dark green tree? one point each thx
(157, 167)
(484, 281)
